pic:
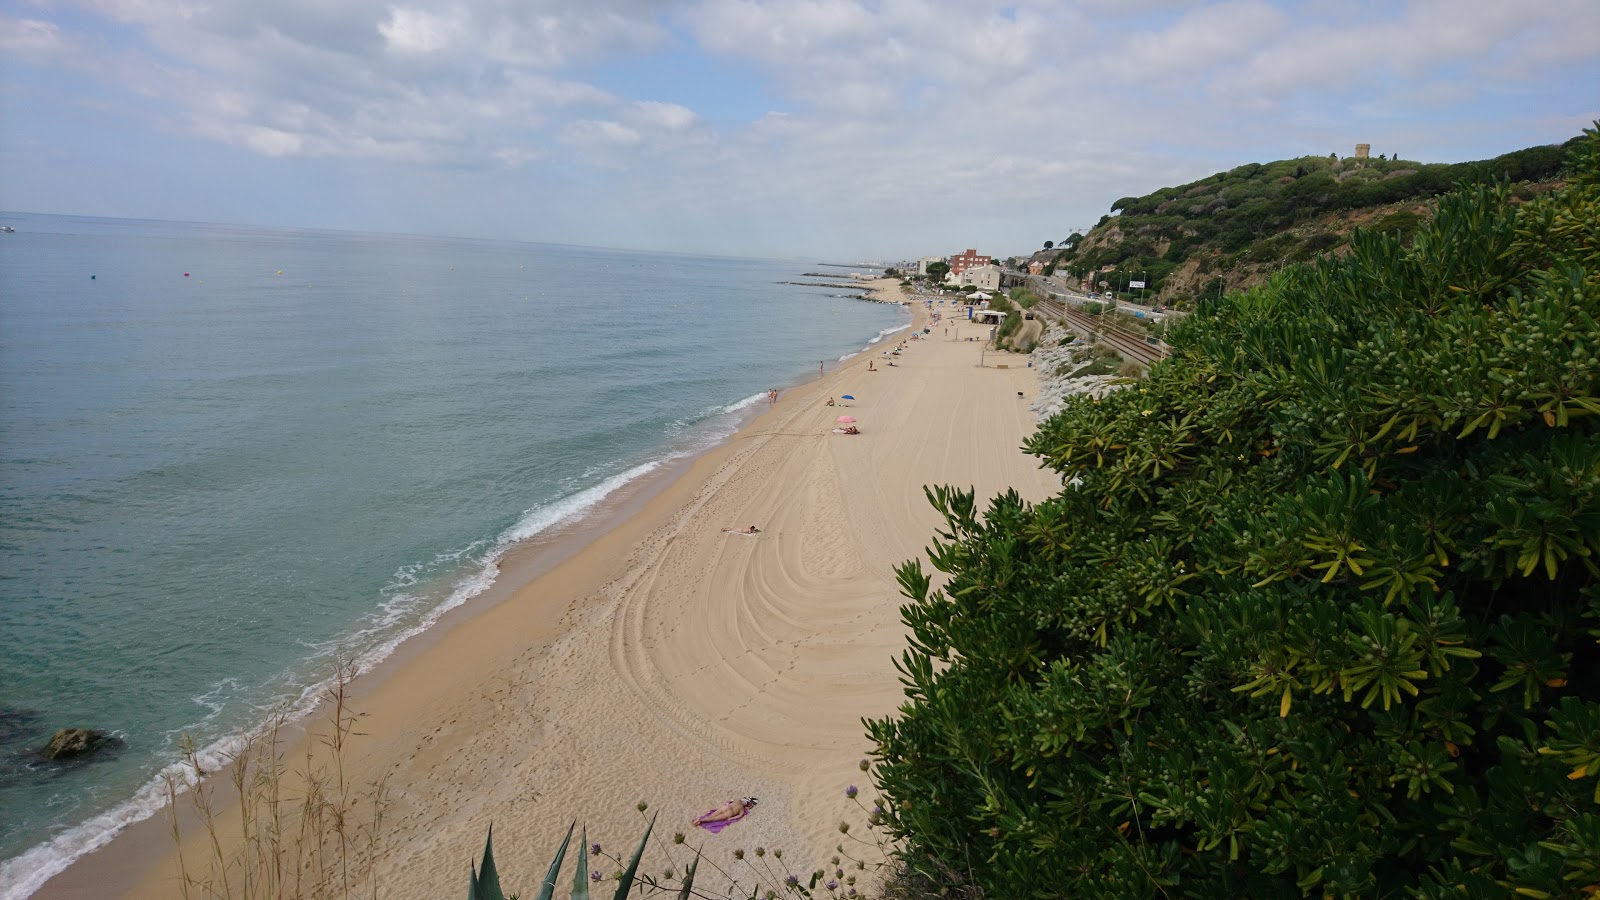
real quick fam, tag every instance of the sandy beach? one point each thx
(670, 662)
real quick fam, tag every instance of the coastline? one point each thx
(490, 714)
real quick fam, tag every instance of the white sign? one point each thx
(1136, 284)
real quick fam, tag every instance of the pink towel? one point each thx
(717, 826)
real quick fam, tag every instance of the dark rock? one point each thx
(70, 743)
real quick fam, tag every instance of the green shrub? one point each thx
(1317, 615)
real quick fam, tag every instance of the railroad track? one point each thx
(1128, 345)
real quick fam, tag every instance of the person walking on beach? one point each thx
(819, 367)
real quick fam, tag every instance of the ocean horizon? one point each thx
(230, 454)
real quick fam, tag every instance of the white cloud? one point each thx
(668, 116)
(600, 133)
(410, 30)
(882, 112)
(31, 40)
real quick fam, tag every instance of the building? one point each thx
(1035, 267)
(925, 262)
(1363, 151)
(964, 261)
(984, 277)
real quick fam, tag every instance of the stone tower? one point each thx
(1363, 151)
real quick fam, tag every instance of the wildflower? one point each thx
(594, 848)
(761, 851)
(844, 827)
(852, 893)
(738, 854)
(835, 860)
(777, 854)
(643, 806)
(595, 875)
(677, 837)
(851, 792)
(832, 885)
(838, 873)
(863, 765)
(792, 880)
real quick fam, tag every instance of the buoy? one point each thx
(91, 277)
(280, 271)
(186, 274)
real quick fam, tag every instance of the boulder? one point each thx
(73, 742)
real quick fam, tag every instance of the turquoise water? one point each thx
(214, 477)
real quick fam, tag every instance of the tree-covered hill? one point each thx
(1233, 229)
(1316, 611)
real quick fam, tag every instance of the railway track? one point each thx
(1129, 345)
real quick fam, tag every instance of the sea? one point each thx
(230, 455)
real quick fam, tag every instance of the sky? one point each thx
(820, 129)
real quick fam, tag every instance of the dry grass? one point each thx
(294, 832)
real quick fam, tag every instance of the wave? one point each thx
(22, 875)
(888, 331)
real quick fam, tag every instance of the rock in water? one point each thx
(71, 742)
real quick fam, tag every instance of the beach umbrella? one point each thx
(846, 420)
(846, 397)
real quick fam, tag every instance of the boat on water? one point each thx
(7, 229)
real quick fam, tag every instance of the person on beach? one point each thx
(830, 402)
(871, 365)
(749, 530)
(727, 812)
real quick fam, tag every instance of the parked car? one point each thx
(1028, 316)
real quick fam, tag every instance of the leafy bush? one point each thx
(1317, 612)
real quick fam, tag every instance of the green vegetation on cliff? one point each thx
(1252, 220)
(1316, 613)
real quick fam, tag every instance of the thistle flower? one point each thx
(864, 765)
(677, 837)
(844, 827)
(643, 806)
(738, 854)
(761, 851)
(851, 792)
(594, 849)
(792, 880)
(832, 885)
(777, 854)
(595, 875)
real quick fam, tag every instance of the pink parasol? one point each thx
(846, 419)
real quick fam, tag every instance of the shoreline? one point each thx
(546, 596)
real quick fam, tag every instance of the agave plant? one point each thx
(485, 884)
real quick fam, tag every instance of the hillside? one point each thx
(1233, 229)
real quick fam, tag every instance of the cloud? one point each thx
(600, 133)
(667, 116)
(33, 40)
(409, 30)
(872, 120)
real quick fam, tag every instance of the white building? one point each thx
(925, 262)
(984, 278)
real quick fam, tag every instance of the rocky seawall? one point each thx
(1065, 365)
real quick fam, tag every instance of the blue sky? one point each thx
(811, 128)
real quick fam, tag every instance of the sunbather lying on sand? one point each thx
(750, 529)
(732, 811)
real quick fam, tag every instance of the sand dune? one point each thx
(672, 663)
